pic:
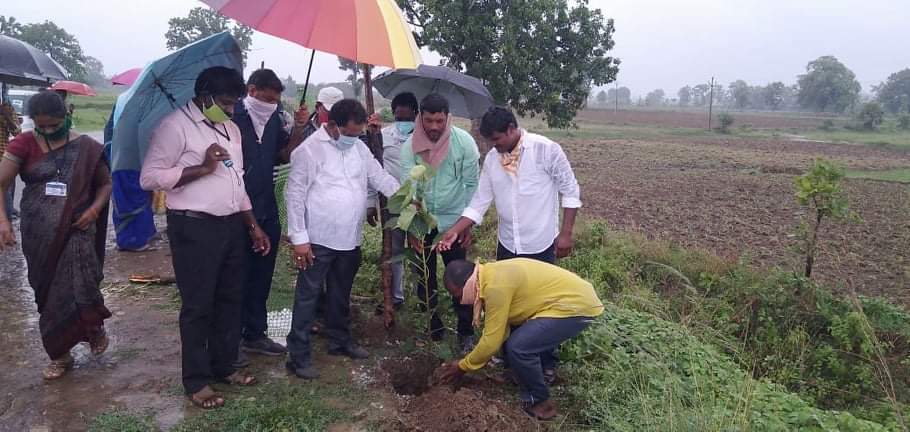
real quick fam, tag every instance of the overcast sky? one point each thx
(662, 43)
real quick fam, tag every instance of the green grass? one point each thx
(123, 421)
(91, 113)
(901, 175)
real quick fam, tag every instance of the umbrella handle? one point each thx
(306, 84)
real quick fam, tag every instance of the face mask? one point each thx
(61, 132)
(215, 114)
(405, 127)
(322, 117)
(345, 142)
(261, 108)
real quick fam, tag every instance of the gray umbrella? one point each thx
(23, 64)
(467, 96)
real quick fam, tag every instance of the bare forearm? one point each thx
(249, 219)
(568, 220)
(102, 197)
(462, 224)
(191, 174)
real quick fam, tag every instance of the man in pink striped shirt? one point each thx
(195, 155)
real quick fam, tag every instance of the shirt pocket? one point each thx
(533, 182)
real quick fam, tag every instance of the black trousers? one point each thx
(259, 283)
(210, 260)
(336, 270)
(465, 313)
(547, 256)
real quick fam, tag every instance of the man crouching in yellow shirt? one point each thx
(545, 305)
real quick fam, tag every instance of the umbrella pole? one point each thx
(306, 85)
(375, 145)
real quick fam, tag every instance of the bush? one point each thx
(903, 122)
(726, 120)
(871, 116)
(827, 125)
(780, 327)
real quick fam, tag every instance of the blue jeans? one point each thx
(529, 350)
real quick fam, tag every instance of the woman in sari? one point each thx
(63, 226)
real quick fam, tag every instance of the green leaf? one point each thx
(391, 223)
(407, 217)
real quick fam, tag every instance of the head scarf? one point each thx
(432, 153)
(470, 294)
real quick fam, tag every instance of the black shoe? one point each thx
(307, 373)
(466, 343)
(352, 350)
(264, 346)
(242, 360)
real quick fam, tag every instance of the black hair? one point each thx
(348, 110)
(497, 119)
(434, 103)
(406, 99)
(458, 272)
(220, 81)
(47, 103)
(265, 79)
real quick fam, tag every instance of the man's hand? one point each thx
(301, 116)
(466, 238)
(372, 216)
(261, 243)
(564, 245)
(303, 256)
(7, 237)
(374, 123)
(213, 156)
(86, 218)
(450, 373)
(448, 239)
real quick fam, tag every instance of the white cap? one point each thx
(328, 96)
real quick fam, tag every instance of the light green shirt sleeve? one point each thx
(408, 160)
(470, 166)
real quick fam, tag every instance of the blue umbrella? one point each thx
(164, 85)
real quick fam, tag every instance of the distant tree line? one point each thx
(826, 86)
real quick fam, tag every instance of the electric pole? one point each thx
(711, 103)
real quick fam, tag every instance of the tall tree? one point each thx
(685, 96)
(773, 95)
(539, 56)
(353, 77)
(623, 94)
(53, 40)
(201, 23)
(740, 93)
(94, 73)
(602, 98)
(655, 98)
(828, 85)
(894, 94)
(700, 94)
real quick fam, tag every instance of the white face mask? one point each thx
(260, 112)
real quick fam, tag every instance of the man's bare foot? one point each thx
(545, 410)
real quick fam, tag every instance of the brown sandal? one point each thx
(240, 379)
(58, 368)
(206, 399)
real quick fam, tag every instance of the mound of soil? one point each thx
(466, 410)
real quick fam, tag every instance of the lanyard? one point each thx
(59, 161)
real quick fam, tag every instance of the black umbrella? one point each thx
(467, 96)
(23, 64)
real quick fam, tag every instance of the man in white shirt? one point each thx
(327, 199)
(405, 108)
(525, 174)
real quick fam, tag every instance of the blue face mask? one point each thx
(405, 127)
(345, 142)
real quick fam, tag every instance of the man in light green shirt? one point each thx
(453, 154)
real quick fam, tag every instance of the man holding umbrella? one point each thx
(404, 107)
(453, 154)
(194, 155)
(266, 142)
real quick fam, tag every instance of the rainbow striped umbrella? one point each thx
(366, 31)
